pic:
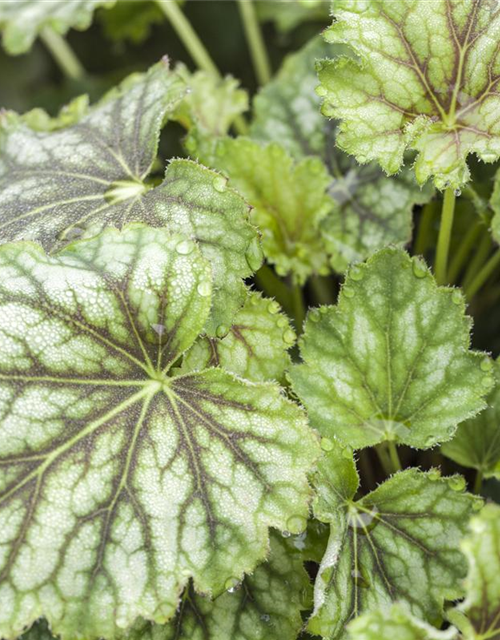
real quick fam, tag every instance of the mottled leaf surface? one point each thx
(266, 606)
(391, 361)
(395, 622)
(477, 441)
(289, 201)
(398, 543)
(426, 79)
(59, 185)
(371, 211)
(22, 20)
(482, 603)
(120, 480)
(255, 347)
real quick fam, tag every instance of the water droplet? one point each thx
(221, 331)
(254, 300)
(326, 444)
(289, 336)
(286, 534)
(159, 328)
(456, 483)
(477, 503)
(321, 91)
(487, 382)
(457, 192)
(273, 307)
(314, 315)
(365, 520)
(254, 255)
(205, 288)
(232, 584)
(419, 268)
(266, 618)
(430, 441)
(347, 292)
(296, 524)
(457, 296)
(327, 110)
(356, 272)
(486, 364)
(434, 474)
(282, 322)
(347, 452)
(219, 183)
(73, 233)
(185, 247)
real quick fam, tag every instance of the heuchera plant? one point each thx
(174, 464)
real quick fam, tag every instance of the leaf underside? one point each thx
(426, 79)
(120, 480)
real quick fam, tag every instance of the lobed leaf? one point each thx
(371, 211)
(398, 543)
(391, 361)
(21, 21)
(395, 622)
(266, 606)
(482, 603)
(477, 441)
(426, 79)
(55, 186)
(289, 201)
(119, 479)
(255, 347)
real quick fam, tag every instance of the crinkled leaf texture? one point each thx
(426, 79)
(22, 20)
(266, 606)
(120, 480)
(395, 623)
(289, 201)
(59, 185)
(391, 361)
(255, 347)
(398, 543)
(371, 211)
(482, 602)
(477, 441)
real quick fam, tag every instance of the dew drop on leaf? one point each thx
(219, 184)
(159, 328)
(232, 585)
(222, 330)
(434, 474)
(486, 364)
(326, 444)
(286, 534)
(296, 524)
(289, 336)
(457, 297)
(419, 268)
(254, 255)
(356, 273)
(273, 307)
(185, 247)
(457, 483)
(348, 293)
(204, 288)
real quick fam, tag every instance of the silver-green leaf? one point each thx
(119, 479)
(391, 361)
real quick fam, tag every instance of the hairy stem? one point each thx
(443, 245)
(195, 47)
(478, 260)
(322, 289)
(478, 482)
(274, 287)
(394, 456)
(63, 54)
(255, 41)
(478, 281)
(299, 310)
(383, 456)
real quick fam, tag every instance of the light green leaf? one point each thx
(288, 14)
(426, 79)
(57, 186)
(22, 20)
(477, 441)
(208, 110)
(482, 603)
(255, 347)
(395, 623)
(495, 205)
(372, 211)
(119, 480)
(391, 361)
(398, 543)
(266, 606)
(289, 201)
